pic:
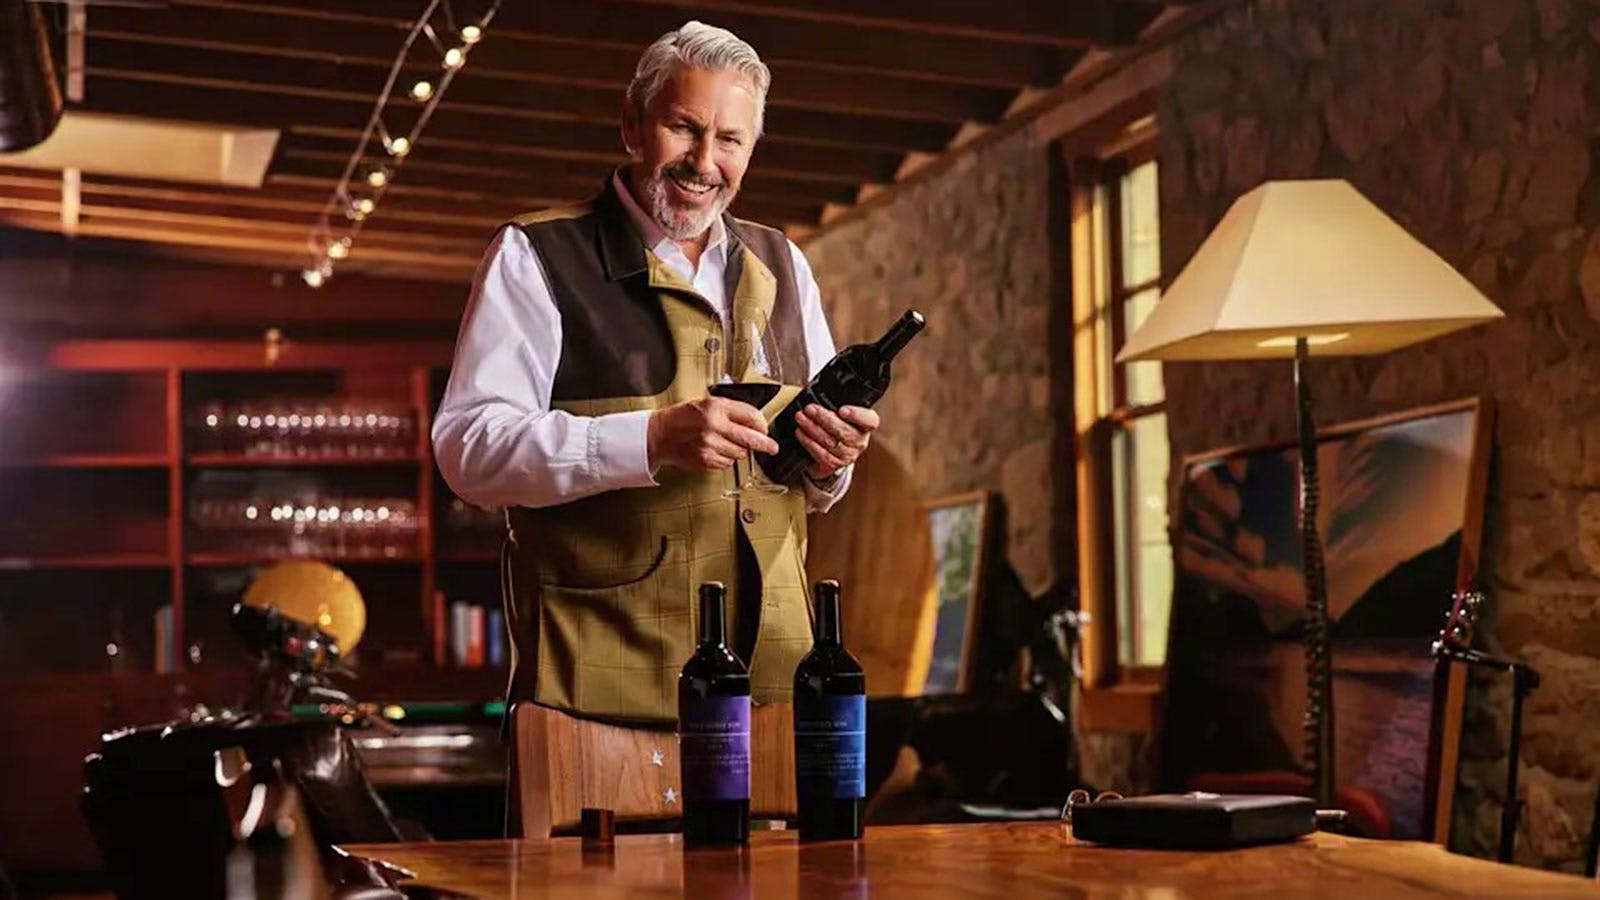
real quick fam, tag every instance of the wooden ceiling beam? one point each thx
(581, 176)
(530, 59)
(257, 223)
(632, 24)
(597, 105)
(1079, 23)
(291, 251)
(303, 196)
(291, 211)
(236, 101)
(868, 50)
(794, 86)
(519, 187)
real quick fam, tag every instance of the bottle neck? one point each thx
(899, 334)
(712, 628)
(829, 629)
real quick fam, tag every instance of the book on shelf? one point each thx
(475, 622)
(495, 638)
(166, 649)
(476, 635)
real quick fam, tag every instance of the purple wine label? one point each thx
(830, 746)
(714, 747)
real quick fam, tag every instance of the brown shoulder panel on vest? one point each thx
(771, 246)
(614, 336)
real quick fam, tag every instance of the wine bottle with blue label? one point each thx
(714, 733)
(830, 729)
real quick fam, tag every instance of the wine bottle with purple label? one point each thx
(830, 729)
(857, 376)
(714, 733)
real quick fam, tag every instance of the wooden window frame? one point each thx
(1114, 697)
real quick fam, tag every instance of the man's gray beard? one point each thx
(678, 225)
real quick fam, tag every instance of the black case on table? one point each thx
(1195, 821)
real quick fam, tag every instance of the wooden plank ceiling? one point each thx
(859, 89)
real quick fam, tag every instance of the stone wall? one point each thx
(1474, 124)
(971, 402)
(983, 399)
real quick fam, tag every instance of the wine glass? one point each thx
(757, 344)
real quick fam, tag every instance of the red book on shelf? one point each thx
(441, 629)
(475, 637)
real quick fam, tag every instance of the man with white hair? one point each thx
(579, 401)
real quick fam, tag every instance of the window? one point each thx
(1121, 418)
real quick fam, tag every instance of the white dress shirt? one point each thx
(496, 439)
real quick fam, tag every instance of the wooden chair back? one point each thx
(562, 764)
(877, 543)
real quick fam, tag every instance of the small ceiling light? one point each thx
(422, 90)
(314, 277)
(471, 34)
(454, 58)
(399, 146)
(378, 177)
(339, 249)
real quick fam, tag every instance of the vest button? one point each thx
(713, 345)
(749, 516)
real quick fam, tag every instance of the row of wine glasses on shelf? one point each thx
(302, 427)
(307, 525)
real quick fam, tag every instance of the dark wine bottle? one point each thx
(857, 376)
(714, 733)
(830, 730)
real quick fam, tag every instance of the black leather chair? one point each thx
(165, 803)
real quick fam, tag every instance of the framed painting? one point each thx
(961, 526)
(1401, 515)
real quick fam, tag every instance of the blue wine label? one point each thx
(714, 747)
(830, 737)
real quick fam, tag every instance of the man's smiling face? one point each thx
(691, 146)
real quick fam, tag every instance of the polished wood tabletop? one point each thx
(1009, 860)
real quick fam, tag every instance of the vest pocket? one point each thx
(612, 578)
(615, 650)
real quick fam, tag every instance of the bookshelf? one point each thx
(113, 486)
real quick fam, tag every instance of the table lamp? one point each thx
(1297, 267)
(313, 592)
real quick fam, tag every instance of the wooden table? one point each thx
(1009, 861)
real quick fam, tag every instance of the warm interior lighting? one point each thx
(137, 147)
(313, 277)
(471, 34)
(339, 249)
(422, 90)
(454, 58)
(1311, 258)
(400, 146)
(378, 177)
(1312, 340)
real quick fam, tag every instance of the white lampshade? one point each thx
(1311, 259)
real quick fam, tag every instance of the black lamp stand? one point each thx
(1319, 651)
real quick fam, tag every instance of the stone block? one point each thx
(1589, 275)
(1555, 182)
(1561, 724)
